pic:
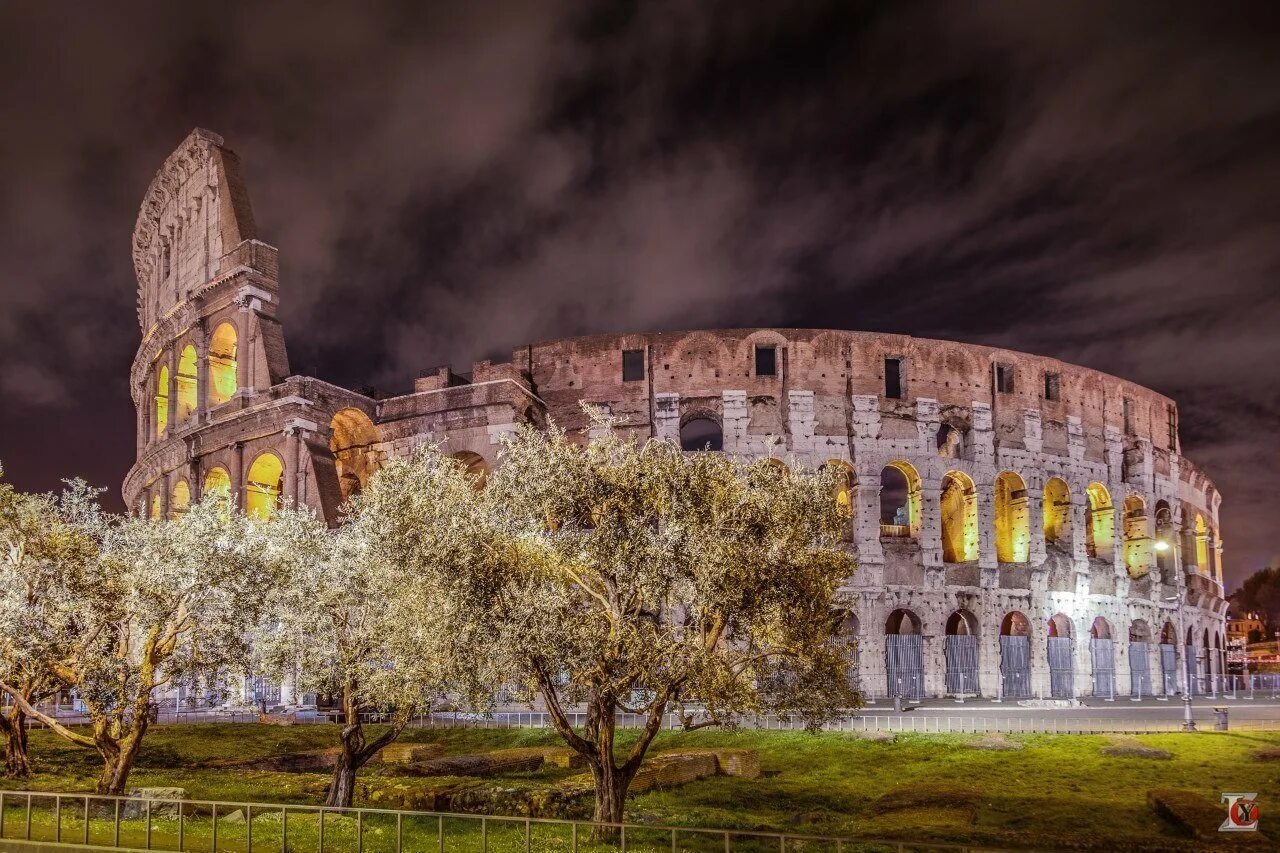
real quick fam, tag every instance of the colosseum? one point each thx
(1024, 528)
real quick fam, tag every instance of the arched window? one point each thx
(701, 433)
(1137, 545)
(845, 480)
(162, 400)
(1057, 510)
(1202, 545)
(949, 441)
(961, 652)
(475, 466)
(186, 385)
(959, 507)
(1100, 532)
(156, 505)
(264, 486)
(222, 364)
(1164, 537)
(899, 500)
(217, 481)
(179, 499)
(352, 440)
(1013, 533)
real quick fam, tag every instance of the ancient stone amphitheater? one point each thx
(1023, 527)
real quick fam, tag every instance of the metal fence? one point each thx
(206, 826)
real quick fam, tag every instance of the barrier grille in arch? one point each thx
(962, 663)
(1169, 668)
(1139, 669)
(1015, 667)
(1061, 668)
(904, 665)
(1102, 651)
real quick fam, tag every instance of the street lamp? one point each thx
(1188, 722)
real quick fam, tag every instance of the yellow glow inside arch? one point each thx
(186, 390)
(155, 505)
(222, 364)
(263, 486)
(162, 400)
(217, 481)
(179, 499)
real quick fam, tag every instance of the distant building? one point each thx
(1239, 627)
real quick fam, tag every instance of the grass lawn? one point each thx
(1057, 791)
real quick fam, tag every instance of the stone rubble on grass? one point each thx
(1126, 746)
(168, 804)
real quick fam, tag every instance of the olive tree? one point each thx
(43, 553)
(628, 576)
(329, 631)
(161, 601)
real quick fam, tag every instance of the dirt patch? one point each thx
(1124, 746)
(1199, 817)
(928, 798)
(996, 741)
(311, 761)
(1271, 753)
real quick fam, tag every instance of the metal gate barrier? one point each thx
(962, 663)
(1104, 667)
(1139, 670)
(904, 665)
(1061, 668)
(1015, 667)
(1169, 668)
(1189, 661)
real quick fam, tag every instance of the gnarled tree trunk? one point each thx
(355, 752)
(13, 723)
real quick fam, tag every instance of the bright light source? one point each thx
(1162, 545)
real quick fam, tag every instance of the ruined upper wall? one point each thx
(195, 212)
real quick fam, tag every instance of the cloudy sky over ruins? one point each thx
(1095, 183)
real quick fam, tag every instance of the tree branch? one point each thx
(33, 712)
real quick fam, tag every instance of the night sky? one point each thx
(1096, 183)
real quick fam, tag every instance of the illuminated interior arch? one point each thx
(1137, 544)
(222, 364)
(475, 466)
(186, 385)
(1060, 626)
(155, 505)
(959, 506)
(264, 486)
(1202, 544)
(1100, 532)
(1164, 534)
(1013, 528)
(162, 400)
(352, 443)
(845, 480)
(217, 481)
(179, 499)
(899, 500)
(1057, 510)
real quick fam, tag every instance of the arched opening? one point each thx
(959, 507)
(1137, 544)
(217, 482)
(845, 479)
(949, 442)
(1164, 539)
(162, 400)
(1169, 659)
(904, 655)
(179, 499)
(1057, 510)
(701, 433)
(222, 364)
(1206, 671)
(157, 505)
(1061, 650)
(352, 439)
(962, 653)
(899, 500)
(264, 487)
(1202, 545)
(848, 628)
(1102, 651)
(1190, 656)
(186, 385)
(475, 466)
(1015, 656)
(1100, 531)
(1013, 531)
(1140, 683)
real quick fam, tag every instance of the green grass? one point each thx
(1056, 791)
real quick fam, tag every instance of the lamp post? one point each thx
(1188, 722)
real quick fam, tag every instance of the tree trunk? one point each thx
(118, 757)
(14, 725)
(611, 794)
(342, 787)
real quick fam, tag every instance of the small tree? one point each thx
(632, 577)
(329, 629)
(162, 601)
(41, 555)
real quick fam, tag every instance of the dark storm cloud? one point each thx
(1093, 183)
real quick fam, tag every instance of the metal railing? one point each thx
(207, 826)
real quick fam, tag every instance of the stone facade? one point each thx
(982, 482)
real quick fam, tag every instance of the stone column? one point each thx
(986, 532)
(1037, 551)
(800, 421)
(1083, 657)
(290, 495)
(237, 473)
(173, 391)
(1040, 687)
(1120, 649)
(931, 525)
(202, 379)
(867, 530)
(736, 420)
(666, 417)
(935, 657)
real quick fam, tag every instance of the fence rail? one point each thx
(207, 826)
